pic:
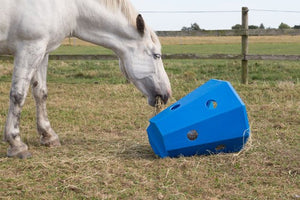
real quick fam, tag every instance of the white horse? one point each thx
(31, 29)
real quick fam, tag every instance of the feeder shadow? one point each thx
(138, 151)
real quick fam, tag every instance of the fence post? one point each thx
(245, 34)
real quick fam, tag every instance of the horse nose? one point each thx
(165, 97)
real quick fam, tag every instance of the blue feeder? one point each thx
(211, 119)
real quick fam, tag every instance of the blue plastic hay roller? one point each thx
(211, 119)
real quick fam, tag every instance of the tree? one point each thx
(261, 26)
(236, 27)
(284, 26)
(296, 27)
(253, 27)
(185, 28)
(193, 27)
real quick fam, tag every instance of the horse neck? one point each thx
(98, 25)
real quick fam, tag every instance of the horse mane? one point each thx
(124, 6)
(129, 12)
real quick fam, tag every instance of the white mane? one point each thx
(124, 6)
(129, 12)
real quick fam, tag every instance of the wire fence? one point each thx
(214, 11)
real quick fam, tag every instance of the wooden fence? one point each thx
(216, 33)
(244, 56)
(174, 56)
(245, 32)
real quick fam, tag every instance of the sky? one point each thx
(217, 20)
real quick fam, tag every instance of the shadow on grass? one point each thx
(121, 146)
(138, 151)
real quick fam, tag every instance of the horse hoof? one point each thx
(50, 142)
(18, 152)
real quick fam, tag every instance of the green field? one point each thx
(276, 49)
(105, 153)
(277, 45)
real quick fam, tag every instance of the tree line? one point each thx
(196, 27)
(261, 26)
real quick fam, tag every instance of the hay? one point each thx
(158, 105)
(246, 145)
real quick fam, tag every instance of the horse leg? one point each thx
(39, 90)
(24, 67)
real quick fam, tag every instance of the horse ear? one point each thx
(140, 24)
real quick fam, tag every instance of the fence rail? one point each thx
(175, 56)
(251, 32)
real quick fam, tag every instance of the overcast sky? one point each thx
(167, 21)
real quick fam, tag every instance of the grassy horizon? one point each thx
(201, 45)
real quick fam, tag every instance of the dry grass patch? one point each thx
(228, 40)
(6, 68)
(205, 40)
(105, 152)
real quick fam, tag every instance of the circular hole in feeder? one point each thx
(220, 147)
(211, 104)
(175, 106)
(192, 135)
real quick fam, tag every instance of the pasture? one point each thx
(201, 45)
(102, 121)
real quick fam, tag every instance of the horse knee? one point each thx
(41, 95)
(17, 97)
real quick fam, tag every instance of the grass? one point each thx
(202, 45)
(105, 153)
(233, 48)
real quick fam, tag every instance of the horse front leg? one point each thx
(12, 132)
(39, 89)
(25, 64)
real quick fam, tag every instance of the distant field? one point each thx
(102, 121)
(201, 45)
(206, 40)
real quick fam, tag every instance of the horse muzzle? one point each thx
(164, 97)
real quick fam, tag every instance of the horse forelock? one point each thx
(124, 6)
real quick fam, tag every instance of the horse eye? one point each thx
(156, 56)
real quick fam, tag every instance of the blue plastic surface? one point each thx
(211, 119)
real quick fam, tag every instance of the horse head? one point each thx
(142, 64)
